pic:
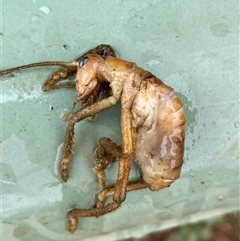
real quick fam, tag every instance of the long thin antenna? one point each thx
(47, 63)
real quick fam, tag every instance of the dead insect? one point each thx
(152, 125)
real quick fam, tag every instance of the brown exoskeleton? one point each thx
(152, 126)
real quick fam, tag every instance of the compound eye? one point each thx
(83, 61)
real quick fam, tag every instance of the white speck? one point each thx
(220, 197)
(45, 9)
(92, 26)
(152, 62)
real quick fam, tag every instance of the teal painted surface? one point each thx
(190, 45)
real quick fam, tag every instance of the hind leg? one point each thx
(108, 152)
(109, 191)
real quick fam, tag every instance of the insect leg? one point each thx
(109, 191)
(92, 212)
(58, 76)
(108, 152)
(83, 113)
(67, 85)
(125, 160)
(98, 211)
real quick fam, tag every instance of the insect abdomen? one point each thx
(159, 120)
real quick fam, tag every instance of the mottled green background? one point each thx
(191, 45)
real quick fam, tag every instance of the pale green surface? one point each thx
(190, 45)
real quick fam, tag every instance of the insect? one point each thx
(152, 125)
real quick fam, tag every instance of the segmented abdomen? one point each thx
(158, 116)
